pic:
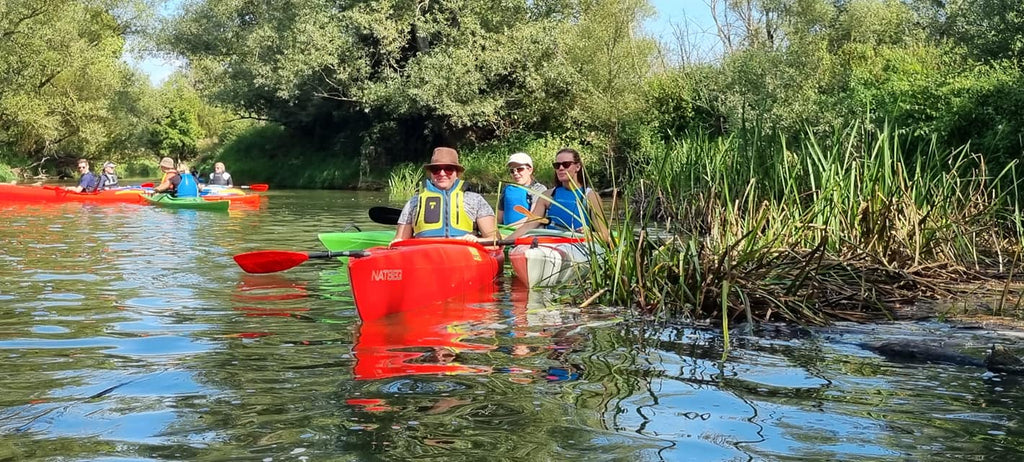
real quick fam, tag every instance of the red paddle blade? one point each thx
(259, 187)
(269, 261)
(147, 185)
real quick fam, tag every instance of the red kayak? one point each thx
(28, 193)
(419, 272)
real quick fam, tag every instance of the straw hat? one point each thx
(445, 156)
(167, 163)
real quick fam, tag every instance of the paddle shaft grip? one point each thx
(344, 253)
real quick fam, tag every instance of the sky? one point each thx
(691, 16)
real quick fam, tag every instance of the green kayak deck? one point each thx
(196, 203)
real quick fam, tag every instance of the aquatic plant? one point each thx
(841, 227)
(403, 181)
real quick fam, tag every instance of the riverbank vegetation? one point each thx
(806, 159)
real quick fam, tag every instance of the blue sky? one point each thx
(693, 15)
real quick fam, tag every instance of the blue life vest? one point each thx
(188, 187)
(512, 196)
(567, 208)
(441, 213)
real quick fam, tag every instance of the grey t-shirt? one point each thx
(476, 207)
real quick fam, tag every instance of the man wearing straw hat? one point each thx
(442, 208)
(176, 183)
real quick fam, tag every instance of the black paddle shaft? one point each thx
(344, 253)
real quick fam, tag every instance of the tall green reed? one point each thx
(808, 230)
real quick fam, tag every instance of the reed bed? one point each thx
(848, 226)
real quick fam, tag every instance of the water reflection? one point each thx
(128, 332)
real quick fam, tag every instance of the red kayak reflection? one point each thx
(426, 340)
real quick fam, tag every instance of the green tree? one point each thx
(62, 80)
(408, 73)
(176, 135)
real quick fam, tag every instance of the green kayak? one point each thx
(198, 203)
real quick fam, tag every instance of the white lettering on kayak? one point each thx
(386, 275)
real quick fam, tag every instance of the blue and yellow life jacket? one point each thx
(568, 208)
(512, 196)
(442, 213)
(188, 187)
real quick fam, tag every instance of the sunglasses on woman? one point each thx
(436, 169)
(565, 165)
(518, 169)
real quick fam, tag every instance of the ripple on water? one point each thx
(417, 386)
(85, 277)
(50, 330)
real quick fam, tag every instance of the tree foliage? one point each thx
(452, 70)
(64, 90)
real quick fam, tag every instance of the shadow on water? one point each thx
(128, 332)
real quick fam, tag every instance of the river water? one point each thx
(128, 333)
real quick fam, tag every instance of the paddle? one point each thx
(260, 187)
(530, 216)
(272, 261)
(147, 185)
(385, 215)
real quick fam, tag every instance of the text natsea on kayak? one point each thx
(418, 272)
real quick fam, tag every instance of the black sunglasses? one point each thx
(435, 169)
(565, 165)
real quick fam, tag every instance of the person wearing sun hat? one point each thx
(108, 179)
(442, 207)
(522, 192)
(175, 183)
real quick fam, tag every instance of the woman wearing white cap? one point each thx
(108, 179)
(520, 166)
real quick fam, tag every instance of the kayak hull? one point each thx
(28, 193)
(194, 203)
(419, 272)
(246, 200)
(356, 240)
(551, 264)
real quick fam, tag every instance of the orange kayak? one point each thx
(29, 193)
(418, 272)
(248, 200)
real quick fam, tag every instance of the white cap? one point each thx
(108, 164)
(520, 158)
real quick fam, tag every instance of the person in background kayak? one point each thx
(178, 182)
(219, 177)
(520, 166)
(443, 208)
(108, 179)
(86, 182)
(576, 207)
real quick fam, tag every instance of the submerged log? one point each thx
(999, 359)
